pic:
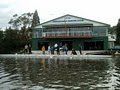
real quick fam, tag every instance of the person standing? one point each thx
(80, 49)
(58, 50)
(26, 48)
(66, 49)
(43, 49)
(49, 50)
(60, 45)
(63, 49)
(52, 49)
(29, 48)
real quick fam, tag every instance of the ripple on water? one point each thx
(52, 74)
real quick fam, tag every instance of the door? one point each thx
(69, 44)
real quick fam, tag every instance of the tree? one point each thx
(1, 42)
(15, 21)
(24, 20)
(12, 41)
(112, 30)
(118, 32)
(36, 20)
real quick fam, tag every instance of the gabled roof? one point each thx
(83, 21)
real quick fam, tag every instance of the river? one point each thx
(59, 74)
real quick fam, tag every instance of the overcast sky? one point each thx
(106, 11)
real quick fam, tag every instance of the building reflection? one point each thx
(43, 64)
(44, 72)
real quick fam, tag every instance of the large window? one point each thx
(73, 31)
(100, 31)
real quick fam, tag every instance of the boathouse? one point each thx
(71, 30)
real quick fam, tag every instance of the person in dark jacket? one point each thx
(66, 49)
(58, 50)
(80, 49)
(73, 52)
(29, 49)
(52, 49)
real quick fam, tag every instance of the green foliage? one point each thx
(12, 41)
(112, 30)
(24, 20)
(118, 33)
(15, 21)
(36, 20)
(1, 34)
(1, 42)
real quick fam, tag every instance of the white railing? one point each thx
(70, 33)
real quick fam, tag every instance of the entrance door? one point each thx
(69, 44)
(45, 43)
(94, 45)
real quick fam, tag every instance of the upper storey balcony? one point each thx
(83, 32)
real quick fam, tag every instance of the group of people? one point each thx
(56, 48)
(27, 49)
(59, 48)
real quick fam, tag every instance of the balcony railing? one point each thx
(67, 34)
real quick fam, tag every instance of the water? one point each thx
(57, 74)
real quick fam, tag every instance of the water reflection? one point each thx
(37, 74)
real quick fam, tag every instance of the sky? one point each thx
(106, 11)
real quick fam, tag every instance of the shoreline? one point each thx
(80, 57)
